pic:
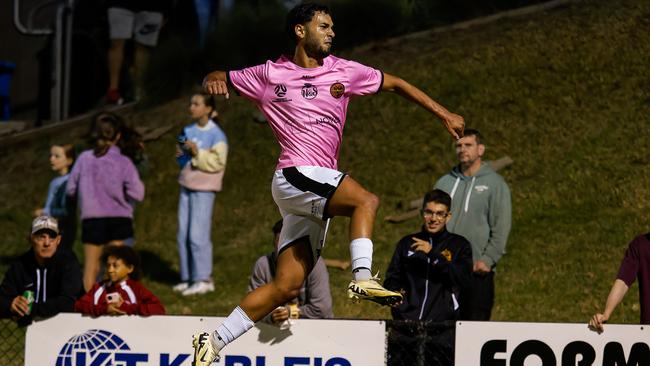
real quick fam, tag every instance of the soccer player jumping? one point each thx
(305, 99)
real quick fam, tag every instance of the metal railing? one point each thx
(62, 50)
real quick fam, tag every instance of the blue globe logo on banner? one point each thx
(90, 342)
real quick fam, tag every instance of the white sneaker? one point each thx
(180, 287)
(199, 288)
(204, 353)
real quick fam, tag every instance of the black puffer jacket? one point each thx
(432, 281)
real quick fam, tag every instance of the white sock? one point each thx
(236, 324)
(361, 255)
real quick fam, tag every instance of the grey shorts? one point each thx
(143, 26)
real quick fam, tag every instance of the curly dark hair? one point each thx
(129, 256)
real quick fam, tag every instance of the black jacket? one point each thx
(430, 280)
(56, 286)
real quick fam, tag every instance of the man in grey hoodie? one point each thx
(314, 300)
(481, 212)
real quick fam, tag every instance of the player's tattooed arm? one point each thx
(454, 123)
(216, 83)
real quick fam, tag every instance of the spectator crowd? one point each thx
(103, 185)
(446, 269)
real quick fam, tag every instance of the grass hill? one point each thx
(565, 93)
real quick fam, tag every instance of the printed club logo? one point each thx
(447, 254)
(280, 90)
(309, 91)
(481, 188)
(337, 90)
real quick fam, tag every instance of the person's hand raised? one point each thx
(455, 124)
(215, 83)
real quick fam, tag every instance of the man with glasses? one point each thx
(481, 212)
(430, 268)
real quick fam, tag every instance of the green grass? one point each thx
(565, 93)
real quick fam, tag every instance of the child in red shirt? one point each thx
(121, 293)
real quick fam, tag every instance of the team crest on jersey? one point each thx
(337, 90)
(309, 91)
(447, 254)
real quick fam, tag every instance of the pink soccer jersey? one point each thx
(306, 108)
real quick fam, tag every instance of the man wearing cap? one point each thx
(44, 281)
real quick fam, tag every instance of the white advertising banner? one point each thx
(75, 340)
(550, 344)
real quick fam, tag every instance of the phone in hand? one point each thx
(113, 297)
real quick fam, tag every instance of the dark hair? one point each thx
(437, 196)
(477, 135)
(129, 256)
(105, 128)
(210, 101)
(302, 14)
(277, 227)
(131, 142)
(68, 150)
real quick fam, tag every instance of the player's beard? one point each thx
(317, 50)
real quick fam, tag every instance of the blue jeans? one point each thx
(193, 238)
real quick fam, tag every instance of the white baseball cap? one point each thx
(45, 223)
